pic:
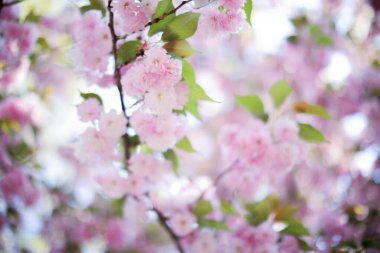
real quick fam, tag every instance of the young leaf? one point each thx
(248, 10)
(279, 92)
(310, 133)
(181, 27)
(320, 38)
(170, 155)
(163, 6)
(259, 212)
(304, 246)
(128, 52)
(213, 224)
(253, 104)
(227, 208)
(295, 227)
(303, 107)
(91, 95)
(94, 5)
(185, 145)
(192, 108)
(202, 208)
(196, 91)
(180, 47)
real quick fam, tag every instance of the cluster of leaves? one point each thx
(279, 92)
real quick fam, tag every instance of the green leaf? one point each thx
(279, 92)
(304, 246)
(91, 95)
(319, 37)
(227, 208)
(179, 47)
(310, 133)
(196, 91)
(32, 17)
(213, 224)
(303, 107)
(254, 105)
(284, 212)
(259, 212)
(128, 52)
(185, 145)
(94, 5)
(188, 73)
(192, 108)
(21, 152)
(295, 227)
(202, 208)
(163, 6)
(171, 156)
(248, 10)
(181, 27)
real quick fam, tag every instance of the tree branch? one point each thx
(126, 138)
(219, 177)
(158, 19)
(163, 221)
(3, 5)
(117, 75)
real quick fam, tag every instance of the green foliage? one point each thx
(248, 10)
(181, 27)
(304, 246)
(295, 227)
(128, 52)
(310, 133)
(185, 145)
(279, 92)
(32, 17)
(164, 6)
(319, 37)
(202, 208)
(91, 95)
(179, 47)
(303, 107)
(196, 91)
(94, 5)
(253, 104)
(227, 208)
(171, 156)
(21, 152)
(258, 212)
(192, 108)
(219, 225)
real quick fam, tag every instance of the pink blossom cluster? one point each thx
(16, 42)
(225, 18)
(156, 78)
(131, 16)
(98, 143)
(92, 48)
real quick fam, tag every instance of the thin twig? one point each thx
(218, 178)
(158, 19)
(163, 221)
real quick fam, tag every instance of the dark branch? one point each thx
(3, 5)
(163, 221)
(218, 178)
(117, 75)
(158, 19)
